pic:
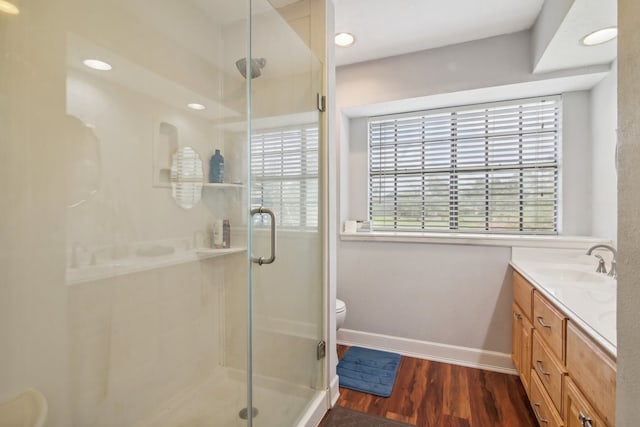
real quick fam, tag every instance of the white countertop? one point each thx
(568, 279)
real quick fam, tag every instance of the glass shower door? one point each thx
(115, 302)
(286, 227)
(148, 281)
(119, 301)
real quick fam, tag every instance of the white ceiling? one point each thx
(564, 50)
(386, 28)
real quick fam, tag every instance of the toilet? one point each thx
(341, 313)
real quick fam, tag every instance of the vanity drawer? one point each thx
(550, 324)
(593, 372)
(549, 370)
(522, 293)
(542, 406)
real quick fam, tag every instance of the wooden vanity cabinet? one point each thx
(521, 345)
(569, 379)
(521, 331)
(547, 356)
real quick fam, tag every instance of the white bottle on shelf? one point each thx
(218, 234)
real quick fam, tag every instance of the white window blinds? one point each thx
(284, 167)
(478, 169)
(186, 177)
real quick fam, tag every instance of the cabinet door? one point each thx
(521, 330)
(525, 361)
(593, 371)
(516, 337)
(578, 411)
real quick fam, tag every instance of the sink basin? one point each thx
(608, 318)
(567, 274)
(28, 409)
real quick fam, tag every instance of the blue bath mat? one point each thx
(368, 371)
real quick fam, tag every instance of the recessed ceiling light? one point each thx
(344, 39)
(601, 36)
(96, 64)
(196, 106)
(8, 7)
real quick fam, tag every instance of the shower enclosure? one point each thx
(134, 291)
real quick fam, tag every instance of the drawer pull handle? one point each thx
(538, 416)
(541, 322)
(517, 315)
(541, 369)
(585, 420)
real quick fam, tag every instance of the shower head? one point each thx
(257, 64)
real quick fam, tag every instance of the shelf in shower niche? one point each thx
(138, 264)
(222, 185)
(204, 253)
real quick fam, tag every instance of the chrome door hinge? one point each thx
(321, 101)
(321, 350)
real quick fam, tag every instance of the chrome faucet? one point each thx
(601, 267)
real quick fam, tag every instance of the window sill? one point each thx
(567, 242)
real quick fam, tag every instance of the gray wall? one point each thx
(496, 61)
(628, 391)
(604, 116)
(447, 294)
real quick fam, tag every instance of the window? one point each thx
(284, 167)
(489, 168)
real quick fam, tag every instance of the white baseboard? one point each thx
(334, 390)
(315, 412)
(323, 401)
(455, 355)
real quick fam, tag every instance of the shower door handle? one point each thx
(262, 260)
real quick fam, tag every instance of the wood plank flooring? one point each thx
(433, 394)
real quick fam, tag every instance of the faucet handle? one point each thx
(601, 266)
(613, 272)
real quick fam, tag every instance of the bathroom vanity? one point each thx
(564, 337)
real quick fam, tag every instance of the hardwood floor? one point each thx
(433, 394)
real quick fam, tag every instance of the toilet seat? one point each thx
(340, 306)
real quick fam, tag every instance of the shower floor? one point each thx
(218, 401)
